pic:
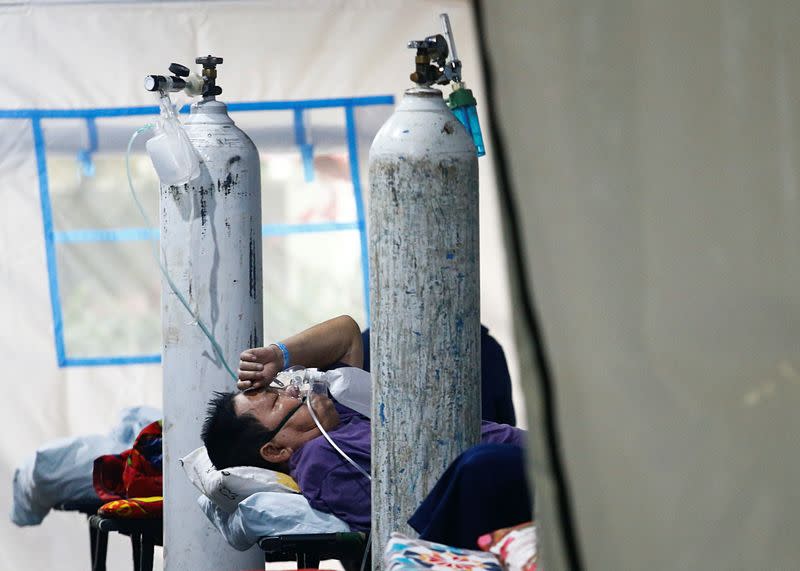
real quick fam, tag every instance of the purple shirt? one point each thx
(332, 485)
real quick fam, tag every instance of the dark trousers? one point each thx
(484, 489)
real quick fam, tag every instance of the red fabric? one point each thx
(134, 473)
(514, 546)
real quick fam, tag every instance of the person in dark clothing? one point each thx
(483, 490)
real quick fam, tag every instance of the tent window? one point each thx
(104, 283)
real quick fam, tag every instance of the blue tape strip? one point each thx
(299, 128)
(312, 103)
(136, 234)
(121, 235)
(153, 109)
(85, 155)
(91, 128)
(77, 113)
(49, 244)
(355, 176)
(307, 154)
(284, 229)
(306, 150)
(105, 361)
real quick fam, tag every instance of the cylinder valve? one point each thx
(184, 79)
(437, 63)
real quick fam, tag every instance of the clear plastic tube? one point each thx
(214, 344)
(346, 457)
(330, 440)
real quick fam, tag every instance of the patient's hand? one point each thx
(258, 366)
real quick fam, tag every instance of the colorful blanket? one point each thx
(135, 473)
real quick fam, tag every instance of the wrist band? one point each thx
(285, 352)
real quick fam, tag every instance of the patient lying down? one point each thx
(268, 427)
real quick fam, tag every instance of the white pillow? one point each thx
(226, 488)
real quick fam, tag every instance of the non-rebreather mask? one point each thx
(350, 386)
(300, 381)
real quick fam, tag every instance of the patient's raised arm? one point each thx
(336, 340)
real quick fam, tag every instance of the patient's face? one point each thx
(272, 406)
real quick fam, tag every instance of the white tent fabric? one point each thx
(94, 55)
(653, 152)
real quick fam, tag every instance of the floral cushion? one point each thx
(134, 508)
(514, 546)
(405, 553)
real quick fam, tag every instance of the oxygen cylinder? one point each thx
(425, 304)
(211, 243)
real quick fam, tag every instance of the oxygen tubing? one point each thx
(346, 457)
(214, 344)
(332, 443)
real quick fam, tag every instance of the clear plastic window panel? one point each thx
(313, 174)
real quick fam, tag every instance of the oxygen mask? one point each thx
(298, 382)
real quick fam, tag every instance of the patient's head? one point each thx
(261, 428)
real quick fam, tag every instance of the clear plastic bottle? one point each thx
(170, 150)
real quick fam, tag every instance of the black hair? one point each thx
(231, 439)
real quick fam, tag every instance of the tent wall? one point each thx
(77, 55)
(653, 153)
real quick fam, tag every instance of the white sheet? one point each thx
(269, 513)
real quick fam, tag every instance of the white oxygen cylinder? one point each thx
(211, 242)
(424, 304)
